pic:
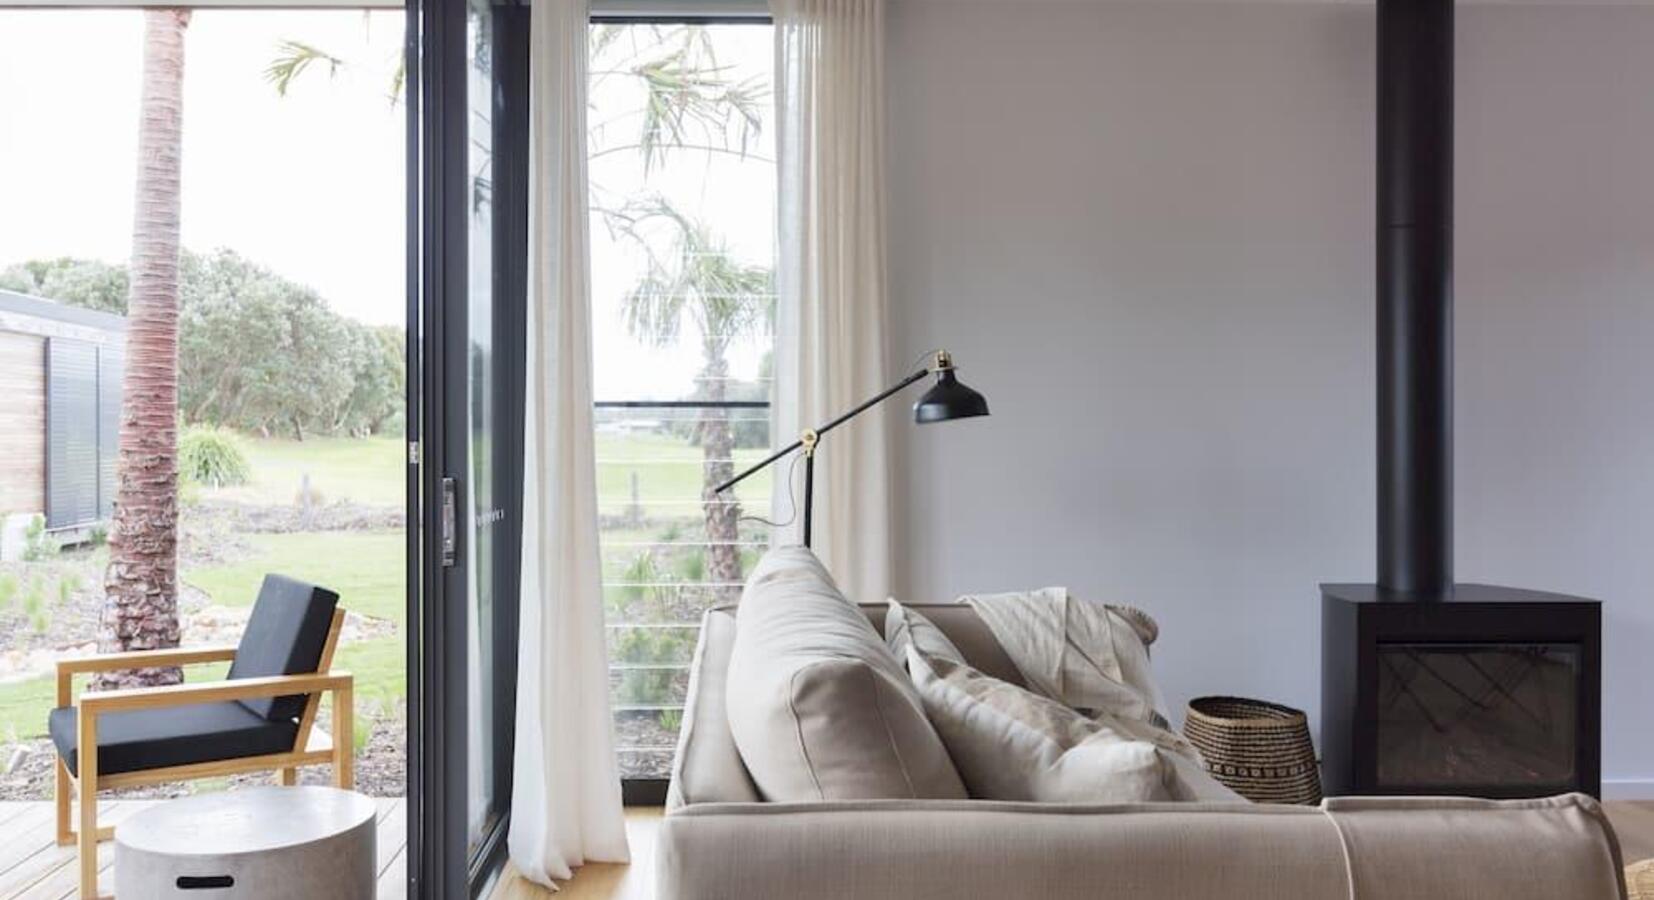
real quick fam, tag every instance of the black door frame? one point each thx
(439, 197)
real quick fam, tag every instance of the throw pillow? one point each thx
(904, 627)
(1013, 744)
(817, 705)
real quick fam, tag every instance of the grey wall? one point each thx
(1146, 232)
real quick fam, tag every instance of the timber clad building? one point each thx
(60, 401)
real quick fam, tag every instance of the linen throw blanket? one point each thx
(1093, 657)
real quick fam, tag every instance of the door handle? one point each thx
(450, 530)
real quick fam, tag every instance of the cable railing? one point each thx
(661, 568)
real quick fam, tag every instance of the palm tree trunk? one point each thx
(723, 515)
(141, 586)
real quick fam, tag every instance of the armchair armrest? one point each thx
(68, 666)
(95, 702)
(138, 659)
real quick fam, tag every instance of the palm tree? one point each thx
(141, 585)
(698, 282)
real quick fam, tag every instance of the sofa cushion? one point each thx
(1010, 743)
(1395, 849)
(142, 739)
(904, 628)
(818, 706)
(285, 636)
(707, 768)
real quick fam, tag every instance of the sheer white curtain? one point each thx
(565, 801)
(830, 342)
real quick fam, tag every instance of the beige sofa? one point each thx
(721, 841)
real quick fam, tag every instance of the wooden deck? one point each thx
(33, 866)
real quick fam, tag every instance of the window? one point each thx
(683, 241)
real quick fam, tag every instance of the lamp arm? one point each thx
(816, 433)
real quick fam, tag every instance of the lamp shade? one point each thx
(948, 399)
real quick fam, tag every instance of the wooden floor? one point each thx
(32, 866)
(599, 881)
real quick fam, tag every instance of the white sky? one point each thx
(311, 185)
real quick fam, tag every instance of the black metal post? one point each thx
(1415, 297)
(809, 491)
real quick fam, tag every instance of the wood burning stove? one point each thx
(1428, 686)
(1488, 692)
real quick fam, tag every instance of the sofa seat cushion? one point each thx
(1010, 743)
(142, 739)
(818, 706)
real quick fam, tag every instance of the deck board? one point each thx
(34, 867)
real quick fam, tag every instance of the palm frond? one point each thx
(291, 61)
(696, 279)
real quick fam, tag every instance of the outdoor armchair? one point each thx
(259, 719)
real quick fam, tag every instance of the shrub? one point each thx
(212, 456)
(8, 589)
(35, 599)
(37, 545)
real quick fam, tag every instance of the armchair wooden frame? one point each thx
(310, 746)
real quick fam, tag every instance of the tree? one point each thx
(89, 283)
(141, 585)
(698, 282)
(688, 104)
(256, 351)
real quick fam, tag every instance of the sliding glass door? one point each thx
(471, 243)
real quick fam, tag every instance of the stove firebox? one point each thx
(1491, 692)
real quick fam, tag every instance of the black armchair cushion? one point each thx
(284, 636)
(141, 739)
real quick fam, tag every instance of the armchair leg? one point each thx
(288, 777)
(87, 839)
(62, 790)
(344, 730)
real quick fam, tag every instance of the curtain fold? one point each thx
(565, 800)
(831, 321)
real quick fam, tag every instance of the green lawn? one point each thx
(668, 475)
(366, 568)
(369, 471)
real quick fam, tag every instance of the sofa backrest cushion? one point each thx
(818, 707)
(285, 636)
(707, 768)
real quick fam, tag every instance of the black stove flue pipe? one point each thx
(1415, 297)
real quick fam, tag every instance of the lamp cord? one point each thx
(792, 499)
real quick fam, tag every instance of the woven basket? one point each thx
(1259, 750)
(1639, 880)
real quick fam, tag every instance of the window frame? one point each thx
(652, 791)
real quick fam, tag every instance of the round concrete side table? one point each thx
(264, 843)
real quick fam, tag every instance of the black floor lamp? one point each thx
(947, 399)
